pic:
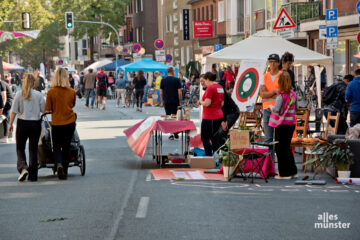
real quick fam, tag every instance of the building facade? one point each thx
(174, 17)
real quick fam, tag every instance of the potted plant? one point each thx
(227, 158)
(333, 153)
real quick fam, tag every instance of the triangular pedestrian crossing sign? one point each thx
(284, 21)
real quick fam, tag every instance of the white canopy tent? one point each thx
(264, 43)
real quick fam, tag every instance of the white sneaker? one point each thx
(117, 105)
(103, 107)
(4, 140)
(282, 178)
(23, 175)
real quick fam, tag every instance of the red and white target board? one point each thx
(247, 84)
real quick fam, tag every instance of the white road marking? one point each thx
(143, 207)
(148, 177)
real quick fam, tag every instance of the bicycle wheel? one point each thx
(194, 101)
(127, 100)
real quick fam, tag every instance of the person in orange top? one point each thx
(268, 93)
(60, 101)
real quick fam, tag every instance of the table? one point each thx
(171, 126)
(261, 163)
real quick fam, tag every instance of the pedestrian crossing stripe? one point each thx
(284, 21)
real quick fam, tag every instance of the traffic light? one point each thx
(25, 17)
(69, 20)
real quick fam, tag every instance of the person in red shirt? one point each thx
(101, 88)
(212, 101)
(229, 77)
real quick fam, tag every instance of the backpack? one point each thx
(329, 94)
(102, 80)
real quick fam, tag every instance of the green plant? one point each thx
(333, 152)
(226, 156)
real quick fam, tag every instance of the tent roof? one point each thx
(96, 65)
(112, 66)
(146, 64)
(11, 67)
(261, 45)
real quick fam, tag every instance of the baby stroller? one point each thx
(45, 149)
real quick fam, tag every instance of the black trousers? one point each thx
(354, 118)
(208, 129)
(286, 161)
(25, 130)
(6, 113)
(139, 94)
(62, 136)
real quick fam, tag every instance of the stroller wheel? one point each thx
(81, 159)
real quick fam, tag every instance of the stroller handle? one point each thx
(44, 114)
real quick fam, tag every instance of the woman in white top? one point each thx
(28, 106)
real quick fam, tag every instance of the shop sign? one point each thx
(207, 50)
(322, 32)
(186, 24)
(203, 29)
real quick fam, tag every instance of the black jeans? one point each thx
(6, 113)
(139, 94)
(286, 161)
(342, 121)
(25, 130)
(62, 136)
(208, 129)
(354, 118)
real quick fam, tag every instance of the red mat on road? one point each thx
(186, 174)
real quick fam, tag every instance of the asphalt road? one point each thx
(119, 199)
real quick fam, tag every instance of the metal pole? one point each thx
(117, 35)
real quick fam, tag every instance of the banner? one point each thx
(203, 29)
(247, 84)
(8, 36)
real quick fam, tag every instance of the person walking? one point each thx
(336, 103)
(229, 78)
(90, 86)
(8, 97)
(120, 90)
(71, 81)
(101, 88)
(157, 87)
(283, 120)
(139, 83)
(353, 97)
(170, 94)
(268, 93)
(60, 101)
(27, 106)
(212, 102)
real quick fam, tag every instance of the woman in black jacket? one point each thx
(139, 83)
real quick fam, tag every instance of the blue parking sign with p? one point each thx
(331, 31)
(331, 14)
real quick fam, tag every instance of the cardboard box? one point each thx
(150, 101)
(239, 139)
(201, 162)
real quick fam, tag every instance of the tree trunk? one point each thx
(91, 49)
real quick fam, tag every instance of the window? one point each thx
(181, 21)
(142, 34)
(167, 23)
(84, 52)
(187, 55)
(182, 57)
(212, 12)
(136, 6)
(84, 45)
(207, 13)
(137, 34)
(141, 6)
(203, 13)
(198, 14)
(194, 14)
(240, 14)
(170, 23)
(221, 8)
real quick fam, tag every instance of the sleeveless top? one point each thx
(287, 117)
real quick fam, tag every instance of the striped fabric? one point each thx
(288, 116)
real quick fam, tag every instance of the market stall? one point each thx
(147, 65)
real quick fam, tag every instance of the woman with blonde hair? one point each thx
(283, 120)
(60, 101)
(28, 106)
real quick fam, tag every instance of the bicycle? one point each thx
(193, 99)
(307, 96)
(129, 97)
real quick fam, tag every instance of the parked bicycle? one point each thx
(307, 96)
(193, 99)
(129, 96)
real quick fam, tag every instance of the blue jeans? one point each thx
(87, 94)
(269, 131)
(158, 94)
(354, 118)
